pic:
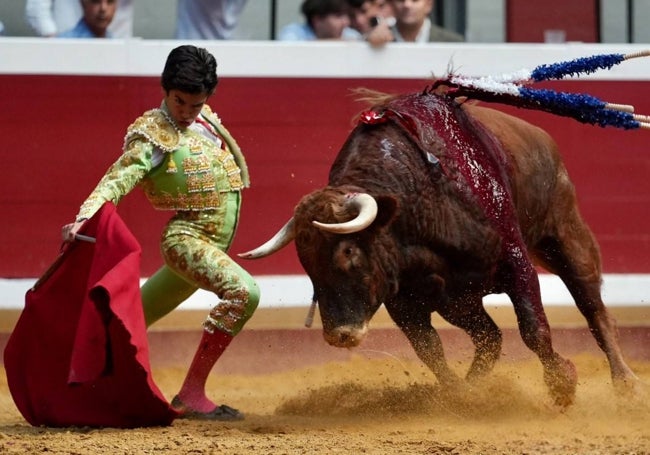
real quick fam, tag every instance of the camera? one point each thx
(376, 20)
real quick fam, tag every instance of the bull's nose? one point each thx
(347, 339)
(346, 336)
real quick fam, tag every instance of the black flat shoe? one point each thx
(222, 413)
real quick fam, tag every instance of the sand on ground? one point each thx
(374, 406)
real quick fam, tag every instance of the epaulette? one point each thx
(155, 127)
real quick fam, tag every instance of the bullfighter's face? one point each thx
(184, 107)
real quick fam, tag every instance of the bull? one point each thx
(433, 204)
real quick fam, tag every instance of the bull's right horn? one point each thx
(281, 239)
(367, 206)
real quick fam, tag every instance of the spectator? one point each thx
(208, 19)
(373, 19)
(360, 17)
(382, 8)
(97, 16)
(367, 14)
(324, 20)
(412, 23)
(49, 17)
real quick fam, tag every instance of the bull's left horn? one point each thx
(281, 239)
(367, 206)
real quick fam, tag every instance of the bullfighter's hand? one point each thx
(69, 231)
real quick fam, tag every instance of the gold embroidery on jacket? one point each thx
(194, 201)
(157, 128)
(205, 169)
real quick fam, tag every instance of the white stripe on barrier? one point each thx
(296, 291)
(320, 59)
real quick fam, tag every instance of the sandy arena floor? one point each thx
(373, 406)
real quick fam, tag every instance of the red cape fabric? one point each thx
(78, 355)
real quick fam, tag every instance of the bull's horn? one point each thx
(367, 206)
(281, 239)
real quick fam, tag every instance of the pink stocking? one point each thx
(192, 393)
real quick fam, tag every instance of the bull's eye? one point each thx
(347, 256)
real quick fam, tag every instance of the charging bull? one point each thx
(432, 204)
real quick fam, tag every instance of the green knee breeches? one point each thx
(194, 246)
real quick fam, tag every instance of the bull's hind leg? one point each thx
(470, 316)
(574, 256)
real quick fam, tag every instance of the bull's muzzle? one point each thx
(346, 336)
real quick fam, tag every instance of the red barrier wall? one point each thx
(60, 133)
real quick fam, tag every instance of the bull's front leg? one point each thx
(425, 341)
(523, 289)
(468, 313)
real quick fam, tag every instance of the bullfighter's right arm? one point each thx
(120, 178)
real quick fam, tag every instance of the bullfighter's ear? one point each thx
(388, 208)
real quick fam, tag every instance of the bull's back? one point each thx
(537, 175)
(521, 140)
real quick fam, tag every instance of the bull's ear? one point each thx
(387, 210)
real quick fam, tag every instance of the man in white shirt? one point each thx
(50, 17)
(97, 17)
(208, 19)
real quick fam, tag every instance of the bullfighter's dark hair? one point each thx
(319, 8)
(190, 69)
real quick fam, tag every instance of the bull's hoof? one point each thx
(451, 381)
(631, 387)
(561, 378)
(480, 369)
